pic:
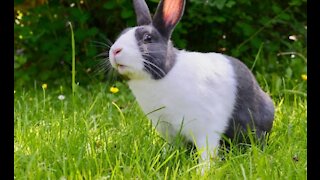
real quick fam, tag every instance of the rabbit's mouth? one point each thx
(121, 68)
(119, 65)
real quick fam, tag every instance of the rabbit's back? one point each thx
(253, 107)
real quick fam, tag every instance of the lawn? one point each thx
(105, 135)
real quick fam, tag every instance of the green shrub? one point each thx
(239, 28)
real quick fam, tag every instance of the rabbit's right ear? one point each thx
(167, 16)
(142, 12)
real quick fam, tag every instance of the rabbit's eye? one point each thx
(147, 38)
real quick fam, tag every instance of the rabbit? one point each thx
(200, 96)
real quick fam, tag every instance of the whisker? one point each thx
(151, 44)
(153, 58)
(150, 70)
(150, 50)
(156, 51)
(100, 44)
(154, 65)
(104, 54)
(112, 76)
(157, 67)
(102, 66)
(110, 43)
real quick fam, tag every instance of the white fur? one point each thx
(195, 98)
(130, 56)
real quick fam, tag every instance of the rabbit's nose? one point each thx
(116, 51)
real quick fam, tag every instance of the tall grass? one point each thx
(112, 139)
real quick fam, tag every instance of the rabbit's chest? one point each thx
(159, 101)
(168, 110)
(174, 108)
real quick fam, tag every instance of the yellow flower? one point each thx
(19, 15)
(304, 77)
(44, 86)
(114, 89)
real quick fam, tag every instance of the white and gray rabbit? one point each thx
(202, 96)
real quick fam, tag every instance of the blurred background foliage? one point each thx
(269, 36)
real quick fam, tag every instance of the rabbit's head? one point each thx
(145, 51)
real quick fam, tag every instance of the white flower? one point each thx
(293, 37)
(61, 97)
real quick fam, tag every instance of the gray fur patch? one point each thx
(159, 54)
(253, 108)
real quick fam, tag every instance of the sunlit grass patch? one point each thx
(118, 142)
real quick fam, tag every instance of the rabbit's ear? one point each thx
(168, 14)
(142, 12)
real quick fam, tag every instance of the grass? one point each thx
(106, 136)
(100, 133)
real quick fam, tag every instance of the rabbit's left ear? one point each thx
(168, 14)
(142, 12)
